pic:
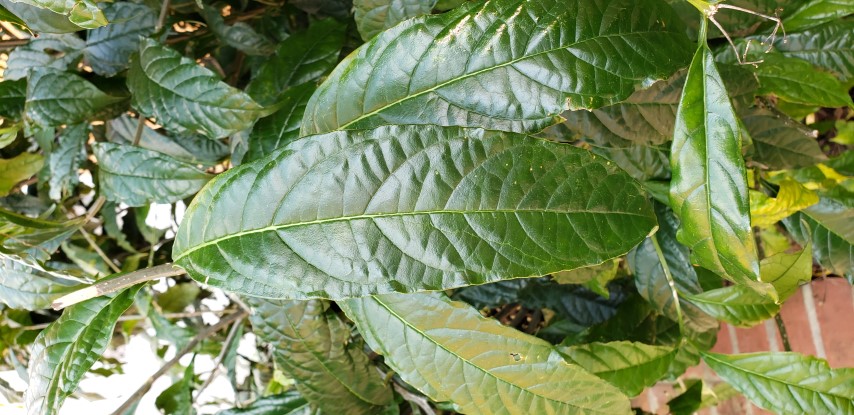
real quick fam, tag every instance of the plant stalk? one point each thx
(115, 283)
(784, 335)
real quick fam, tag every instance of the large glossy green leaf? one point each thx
(816, 12)
(448, 351)
(239, 35)
(374, 16)
(798, 81)
(788, 383)
(64, 160)
(630, 366)
(83, 13)
(185, 97)
(64, 352)
(191, 148)
(288, 403)
(13, 94)
(832, 224)
(29, 287)
(403, 208)
(780, 142)
(313, 346)
(136, 176)
(108, 48)
(282, 127)
(17, 169)
(47, 51)
(299, 59)
(510, 65)
(709, 188)
(56, 98)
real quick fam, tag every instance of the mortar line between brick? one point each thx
(812, 318)
(771, 332)
(733, 338)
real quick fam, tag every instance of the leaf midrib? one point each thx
(391, 215)
(488, 69)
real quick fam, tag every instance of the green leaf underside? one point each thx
(46, 51)
(185, 97)
(450, 352)
(510, 65)
(55, 98)
(65, 351)
(136, 176)
(832, 225)
(65, 159)
(788, 383)
(193, 149)
(709, 187)
(311, 346)
(630, 366)
(28, 288)
(340, 212)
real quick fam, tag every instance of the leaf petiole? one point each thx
(673, 290)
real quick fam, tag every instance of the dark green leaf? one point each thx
(448, 351)
(136, 176)
(311, 345)
(816, 12)
(13, 94)
(65, 159)
(629, 366)
(47, 51)
(288, 403)
(689, 401)
(374, 16)
(56, 98)
(109, 48)
(339, 9)
(780, 142)
(240, 35)
(193, 149)
(17, 169)
(832, 225)
(64, 352)
(787, 382)
(282, 127)
(797, 81)
(301, 58)
(185, 97)
(489, 206)
(510, 65)
(29, 287)
(709, 187)
(493, 294)
(578, 305)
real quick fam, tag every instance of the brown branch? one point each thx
(207, 332)
(111, 285)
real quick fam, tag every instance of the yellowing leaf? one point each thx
(793, 197)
